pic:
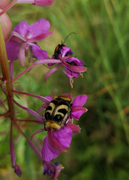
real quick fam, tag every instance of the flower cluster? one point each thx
(58, 112)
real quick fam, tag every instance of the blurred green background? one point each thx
(101, 150)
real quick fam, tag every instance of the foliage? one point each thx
(101, 41)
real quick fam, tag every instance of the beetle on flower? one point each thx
(70, 65)
(57, 141)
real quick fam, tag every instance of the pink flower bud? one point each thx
(43, 2)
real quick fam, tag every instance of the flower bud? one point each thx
(17, 170)
(43, 2)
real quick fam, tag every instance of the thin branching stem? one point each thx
(30, 143)
(6, 75)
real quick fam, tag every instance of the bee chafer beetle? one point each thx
(57, 112)
(59, 47)
(58, 50)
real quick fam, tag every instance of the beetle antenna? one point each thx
(69, 35)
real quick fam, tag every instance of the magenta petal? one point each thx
(77, 69)
(71, 73)
(38, 52)
(38, 28)
(75, 60)
(75, 128)
(76, 114)
(49, 98)
(40, 37)
(63, 136)
(48, 153)
(73, 109)
(65, 50)
(55, 143)
(45, 104)
(74, 68)
(79, 100)
(22, 28)
(67, 74)
(12, 49)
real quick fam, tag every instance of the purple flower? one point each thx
(70, 65)
(57, 141)
(52, 170)
(23, 38)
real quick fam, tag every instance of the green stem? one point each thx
(6, 75)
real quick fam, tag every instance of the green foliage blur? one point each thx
(101, 150)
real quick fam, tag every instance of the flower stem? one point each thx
(33, 95)
(33, 113)
(31, 144)
(37, 131)
(27, 69)
(4, 114)
(6, 75)
(12, 151)
(44, 61)
(31, 121)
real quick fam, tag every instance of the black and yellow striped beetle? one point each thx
(57, 112)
